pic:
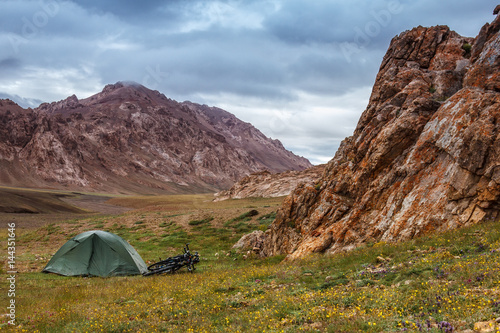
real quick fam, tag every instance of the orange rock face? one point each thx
(425, 155)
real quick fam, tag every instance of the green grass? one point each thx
(379, 287)
(242, 218)
(266, 220)
(203, 221)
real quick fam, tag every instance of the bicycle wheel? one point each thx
(161, 264)
(161, 270)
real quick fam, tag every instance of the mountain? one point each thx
(130, 139)
(265, 184)
(425, 155)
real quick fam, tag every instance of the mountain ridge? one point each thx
(130, 139)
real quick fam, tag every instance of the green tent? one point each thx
(96, 253)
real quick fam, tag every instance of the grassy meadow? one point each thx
(439, 283)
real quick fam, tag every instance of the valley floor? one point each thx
(442, 283)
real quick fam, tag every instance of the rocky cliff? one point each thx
(425, 155)
(130, 139)
(265, 184)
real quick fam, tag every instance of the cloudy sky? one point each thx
(300, 71)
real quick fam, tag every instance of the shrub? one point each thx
(467, 48)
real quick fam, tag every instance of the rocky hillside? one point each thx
(265, 184)
(425, 155)
(130, 139)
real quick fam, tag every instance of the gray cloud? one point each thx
(327, 21)
(300, 71)
(24, 102)
(128, 8)
(9, 64)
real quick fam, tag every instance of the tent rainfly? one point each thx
(96, 253)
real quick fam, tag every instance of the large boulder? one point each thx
(250, 241)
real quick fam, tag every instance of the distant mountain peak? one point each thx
(23, 102)
(123, 84)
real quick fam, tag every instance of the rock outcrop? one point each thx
(425, 155)
(130, 139)
(265, 184)
(250, 241)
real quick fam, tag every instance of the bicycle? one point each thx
(173, 264)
